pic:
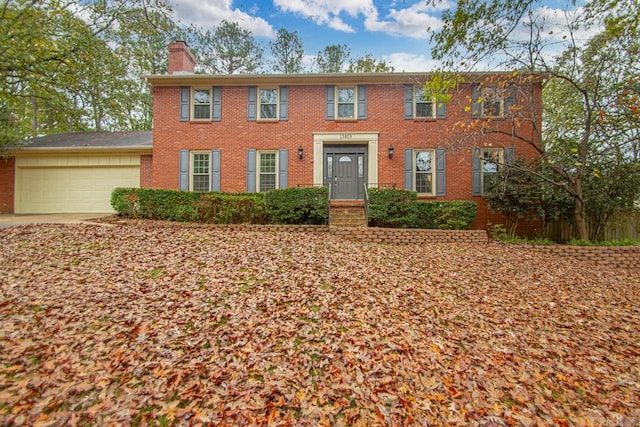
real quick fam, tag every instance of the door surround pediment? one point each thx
(370, 139)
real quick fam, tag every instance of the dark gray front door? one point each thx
(345, 171)
(345, 179)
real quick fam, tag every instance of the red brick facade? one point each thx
(146, 171)
(234, 134)
(7, 184)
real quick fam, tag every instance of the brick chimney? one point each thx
(181, 60)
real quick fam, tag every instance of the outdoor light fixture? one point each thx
(391, 151)
(300, 152)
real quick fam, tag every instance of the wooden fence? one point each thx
(620, 227)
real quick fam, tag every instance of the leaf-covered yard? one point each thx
(162, 325)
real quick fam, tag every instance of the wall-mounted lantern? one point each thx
(391, 151)
(300, 152)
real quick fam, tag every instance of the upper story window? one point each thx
(201, 104)
(420, 104)
(201, 170)
(346, 102)
(268, 104)
(424, 171)
(492, 102)
(425, 106)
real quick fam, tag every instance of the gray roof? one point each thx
(141, 139)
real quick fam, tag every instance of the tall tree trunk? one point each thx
(579, 212)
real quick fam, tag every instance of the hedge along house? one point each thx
(73, 172)
(254, 133)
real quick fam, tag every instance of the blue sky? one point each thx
(392, 30)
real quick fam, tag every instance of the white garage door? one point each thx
(72, 184)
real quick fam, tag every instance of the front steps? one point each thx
(347, 214)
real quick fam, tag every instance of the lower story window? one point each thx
(492, 159)
(267, 170)
(424, 171)
(200, 177)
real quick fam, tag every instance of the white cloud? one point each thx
(414, 21)
(410, 62)
(212, 12)
(327, 12)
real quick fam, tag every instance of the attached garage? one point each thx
(76, 173)
(72, 183)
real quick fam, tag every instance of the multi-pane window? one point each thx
(425, 105)
(267, 171)
(346, 102)
(492, 102)
(424, 171)
(491, 163)
(201, 104)
(268, 104)
(200, 176)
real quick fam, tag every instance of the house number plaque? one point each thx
(346, 136)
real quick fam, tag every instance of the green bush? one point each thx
(232, 208)
(390, 207)
(286, 206)
(449, 215)
(297, 205)
(400, 208)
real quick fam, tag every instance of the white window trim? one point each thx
(277, 117)
(433, 170)
(499, 163)
(258, 172)
(482, 107)
(415, 106)
(193, 102)
(355, 102)
(192, 169)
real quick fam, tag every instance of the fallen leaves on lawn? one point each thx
(157, 325)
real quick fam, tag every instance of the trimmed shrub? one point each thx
(400, 208)
(298, 205)
(449, 215)
(390, 207)
(232, 208)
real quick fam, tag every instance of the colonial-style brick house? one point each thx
(252, 133)
(237, 133)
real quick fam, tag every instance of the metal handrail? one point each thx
(366, 203)
(329, 207)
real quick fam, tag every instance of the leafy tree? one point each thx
(82, 68)
(332, 58)
(287, 52)
(590, 107)
(526, 191)
(235, 49)
(369, 64)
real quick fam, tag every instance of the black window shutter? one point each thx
(362, 102)
(185, 107)
(252, 103)
(330, 109)
(215, 170)
(216, 104)
(184, 170)
(408, 101)
(284, 103)
(476, 107)
(283, 166)
(476, 175)
(251, 171)
(408, 169)
(441, 166)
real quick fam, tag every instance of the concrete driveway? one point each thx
(10, 220)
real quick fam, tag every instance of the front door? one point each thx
(344, 169)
